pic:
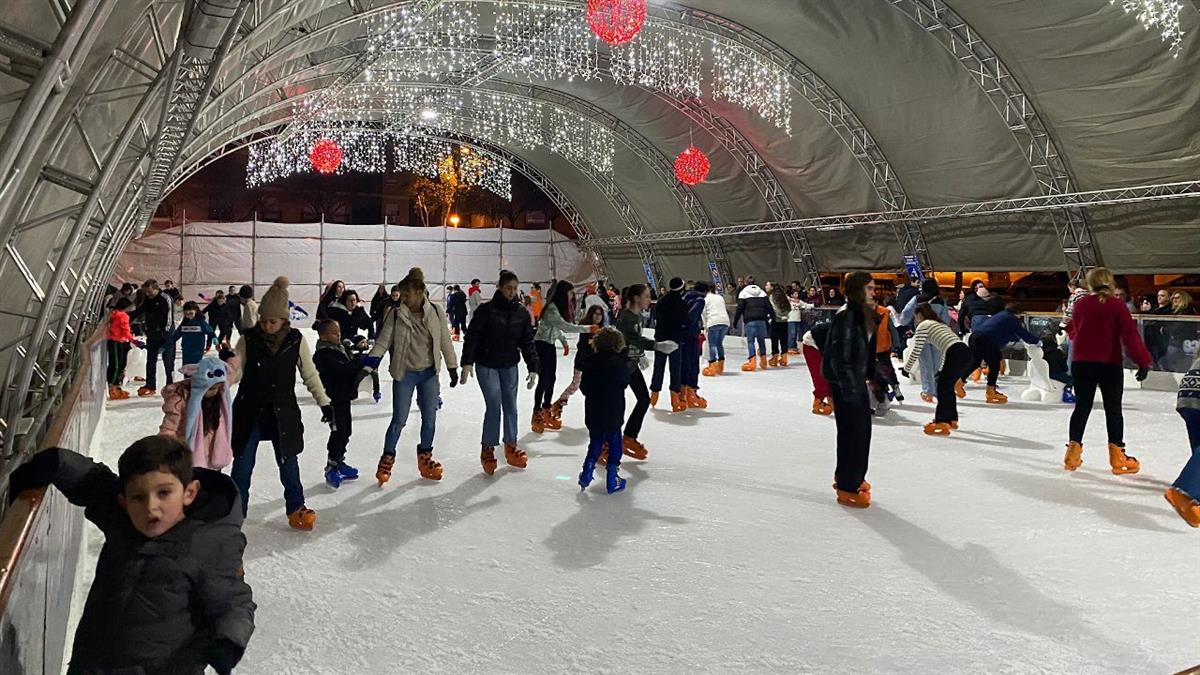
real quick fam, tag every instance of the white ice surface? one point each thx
(728, 552)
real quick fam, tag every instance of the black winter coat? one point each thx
(351, 322)
(973, 305)
(338, 371)
(605, 376)
(155, 604)
(753, 309)
(848, 358)
(221, 315)
(906, 293)
(670, 318)
(155, 314)
(499, 335)
(267, 394)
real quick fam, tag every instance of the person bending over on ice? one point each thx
(930, 295)
(990, 335)
(499, 335)
(553, 325)
(848, 363)
(416, 335)
(812, 342)
(603, 385)
(955, 362)
(266, 408)
(168, 595)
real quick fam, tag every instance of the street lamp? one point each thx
(455, 220)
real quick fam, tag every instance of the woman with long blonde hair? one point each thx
(1100, 326)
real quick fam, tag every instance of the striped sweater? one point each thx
(933, 333)
(1189, 388)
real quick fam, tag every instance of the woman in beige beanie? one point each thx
(266, 408)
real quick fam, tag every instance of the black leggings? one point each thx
(986, 351)
(959, 364)
(117, 353)
(1110, 378)
(637, 384)
(547, 369)
(778, 337)
(853, 443)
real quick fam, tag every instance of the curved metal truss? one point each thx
(987, 70)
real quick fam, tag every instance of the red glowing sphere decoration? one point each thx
(326, 156)
(616, 21)
(692, 166)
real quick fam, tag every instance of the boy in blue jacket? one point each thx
(194, 332)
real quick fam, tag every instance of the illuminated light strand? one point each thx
(1159, 15)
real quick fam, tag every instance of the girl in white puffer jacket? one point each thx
(715, 321)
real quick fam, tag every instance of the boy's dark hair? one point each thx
(246, 292)
(505, 277)
(191, 305)
(1013, 307)
(324, 325)
(926, 312)
(474, 281)
(346, 296)
(702, 287)
(609, 340)
(123, 304)
(156, 453)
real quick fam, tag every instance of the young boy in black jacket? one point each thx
(168, 595)
(605, 376)
(339, 375)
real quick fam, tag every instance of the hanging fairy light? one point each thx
(692, 166)
(1160, 15)
(616, 22)
(326, 156)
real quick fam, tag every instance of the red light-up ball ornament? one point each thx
(326, 156)
(692, 166)
(616, 21)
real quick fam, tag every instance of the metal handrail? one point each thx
(20, 518)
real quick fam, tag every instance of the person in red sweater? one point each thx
(1100, 325)
(119, 339)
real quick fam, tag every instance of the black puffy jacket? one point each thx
(605, 376)
(973, 305)
(670, 317)
(351, 322)
(338, 371)
(155, 314)
(753, 305)
(268, 390)
(155, 604)
(500, 334)
(848, 357)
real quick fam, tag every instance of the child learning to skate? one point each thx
(339, 375)
(120, 337)
(168, 595)
(197, 411)
(605, 377)
(194, 332)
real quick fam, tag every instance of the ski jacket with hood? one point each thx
(753, 305)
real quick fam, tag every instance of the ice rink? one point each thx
(728, 553)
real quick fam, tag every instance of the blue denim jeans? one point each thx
(499, 387)
(716, 343)
(425, 383)
(756, 332)
(1189, 478)
(289, 473)
(796, 331)
(929, 359)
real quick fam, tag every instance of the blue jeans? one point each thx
(289, 473)
(662, 361)
(756, 331)
(1189, 479)
(795, 333)
(499, 387)
(716, 343)
(928, 361)
(425, 383)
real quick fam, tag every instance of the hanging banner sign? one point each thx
(913, 268)
(650, 280)
(716, 277)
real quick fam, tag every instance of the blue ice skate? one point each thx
(378, 397)
(588, 473)
(1068, 395)
(333, 477)
(615, 482)
(347, 472)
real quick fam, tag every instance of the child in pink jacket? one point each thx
(197, 410)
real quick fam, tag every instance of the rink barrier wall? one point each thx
(41, 534)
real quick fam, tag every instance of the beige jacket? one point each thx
(395, 337)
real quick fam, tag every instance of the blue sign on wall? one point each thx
(650, 280)
(716, 277)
